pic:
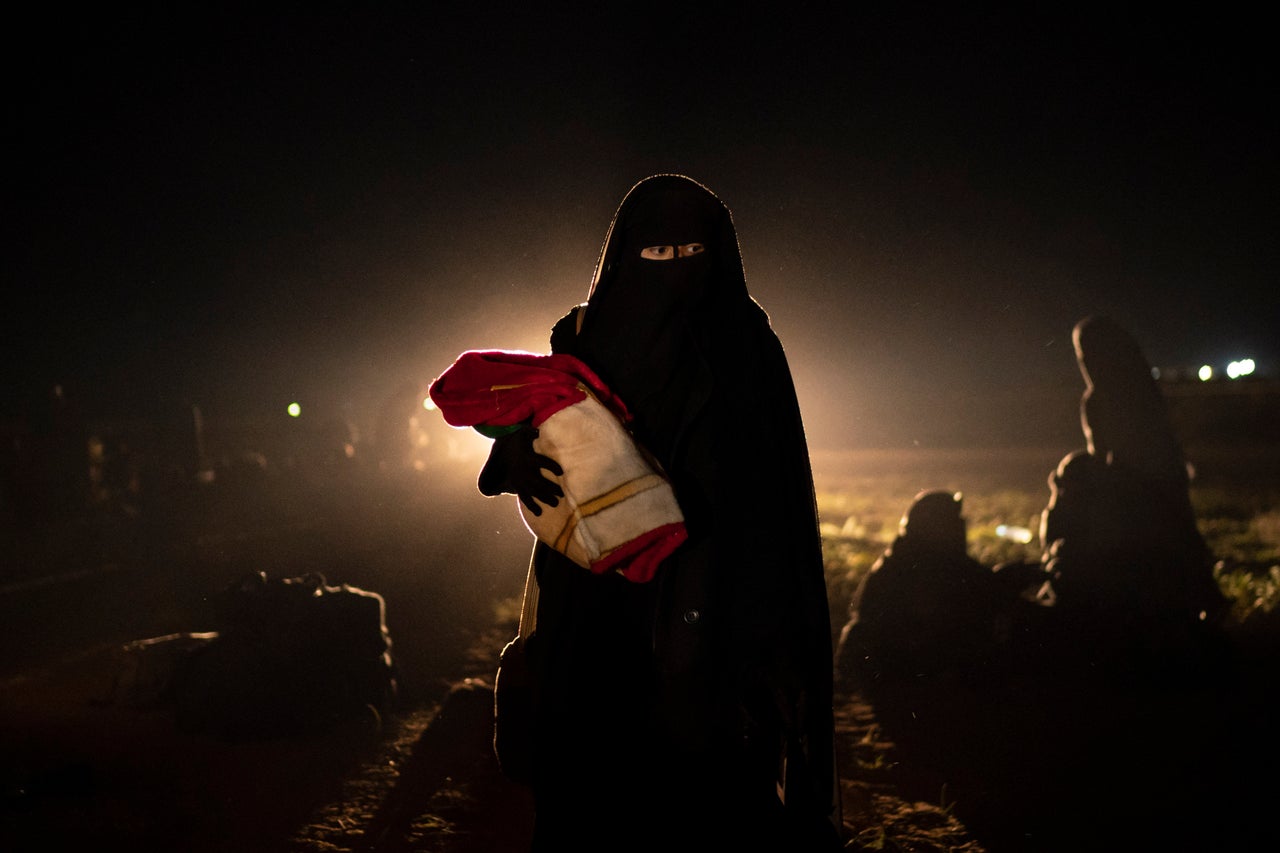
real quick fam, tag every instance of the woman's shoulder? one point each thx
(566, 329)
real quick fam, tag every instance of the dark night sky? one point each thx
(247, 208)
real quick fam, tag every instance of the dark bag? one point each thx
(291, 655)
(513, 696)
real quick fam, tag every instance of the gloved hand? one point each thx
(515, 468)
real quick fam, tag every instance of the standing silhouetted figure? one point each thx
(692, 711)
(1132, 577)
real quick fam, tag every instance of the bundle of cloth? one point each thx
(619, 512)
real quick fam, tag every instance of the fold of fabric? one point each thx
(497, 388)
(619, 512)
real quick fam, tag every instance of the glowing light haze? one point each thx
(316, 206)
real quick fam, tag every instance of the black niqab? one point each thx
(651, 327)
(1123, 413)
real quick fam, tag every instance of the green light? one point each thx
(294, 410)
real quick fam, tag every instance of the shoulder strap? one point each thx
(529, 604)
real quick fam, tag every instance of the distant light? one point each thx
(1206, 373)
(294, 410)
(1155, 373)
(429, 404)
(1243, 367)
(1013, 533)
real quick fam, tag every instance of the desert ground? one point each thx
(90, 753)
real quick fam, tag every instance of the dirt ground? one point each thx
(125, 778)
(1038, 763)
(1021, 767)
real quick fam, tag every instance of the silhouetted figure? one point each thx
(670, 713)
(1131, 575)
(926, 608)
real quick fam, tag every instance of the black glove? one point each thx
(515, 468)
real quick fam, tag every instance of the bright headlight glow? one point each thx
(1014, 533)
(1243, 367)
(1206, 373)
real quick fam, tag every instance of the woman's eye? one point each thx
(690, 249)
(658, 253)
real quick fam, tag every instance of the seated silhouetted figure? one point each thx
(1131, 575)
(926, 608)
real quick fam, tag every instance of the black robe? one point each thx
(680, 709)
(1131, 573)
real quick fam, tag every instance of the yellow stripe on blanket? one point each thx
(631, 517)
(613, 497)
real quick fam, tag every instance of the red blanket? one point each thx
(618, 513)
(507, 387)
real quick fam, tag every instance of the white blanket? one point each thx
(618, 511)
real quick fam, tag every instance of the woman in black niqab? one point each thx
(671, 714)
(650, 318)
